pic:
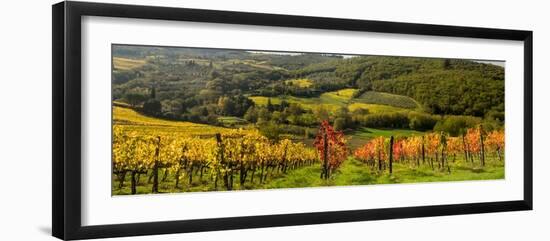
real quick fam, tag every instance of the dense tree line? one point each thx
(457, 92)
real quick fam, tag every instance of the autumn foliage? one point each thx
(331, 146)
(434, 149)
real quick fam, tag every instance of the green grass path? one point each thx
(352, 172)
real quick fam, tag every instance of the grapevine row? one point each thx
(223, 157)
(433, 149)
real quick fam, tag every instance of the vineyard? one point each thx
(240, 160)
(209, 119)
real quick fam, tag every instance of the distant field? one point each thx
(330, 100)
(135, 121)
(342, 96)
(374, 108)
(231, 120)
(262, 100)
(255, 64)
(302, 83)
(127, 64)
(381, 98)
(306, 103)
(260, 65)
(372, 132)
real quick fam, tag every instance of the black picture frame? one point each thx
(66, 128)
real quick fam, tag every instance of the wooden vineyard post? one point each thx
(423, 151)
(499, 155)
(190, 174)
(226, 173)
(221, 161)
(391, 154)
(285, 164)
(465, 146)
(133, 182)
(482, 147)
(178, 172)
(330, 147)
(443, 142)
(325, 156)
(122, 176)
(156, 168)
(379, 160)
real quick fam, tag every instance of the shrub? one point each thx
(384, 120)
(422, 122)
(456, 125)
(339, 124)
(152, 107)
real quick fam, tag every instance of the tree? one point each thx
(270, 106)
(343, 117)
(134, 99)
(446, 64)
(455, 125)
(270, 130)
(307, 120)
(251, 115)
(295, 109)
(226, 106)
(421, 122)
(263, 115)
(339, 124)
(242, 104)
(283, 105)
(152, 107)
(278, 117)
(153, 93)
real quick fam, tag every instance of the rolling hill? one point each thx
(374, 102)
(134, 121)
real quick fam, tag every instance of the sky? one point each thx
(493, 62)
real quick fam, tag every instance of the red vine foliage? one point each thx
(336, 150)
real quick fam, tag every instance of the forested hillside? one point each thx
(209, 85)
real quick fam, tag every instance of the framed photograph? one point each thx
(170, 120)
